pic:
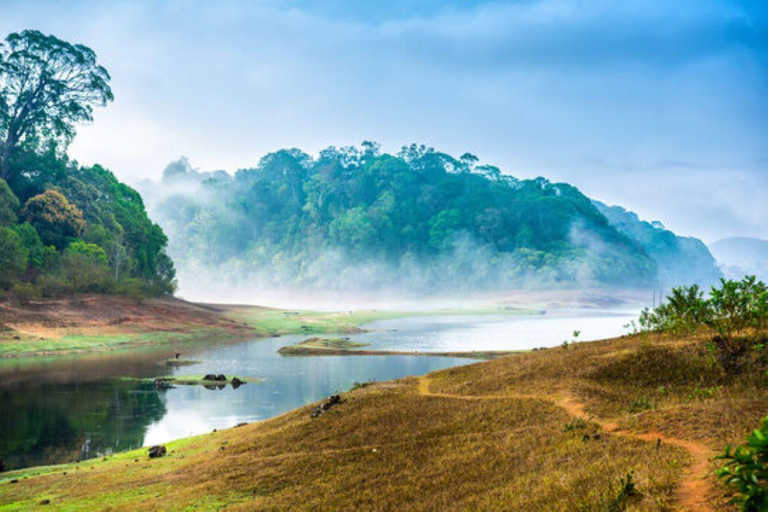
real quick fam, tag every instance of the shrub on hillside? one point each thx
(736, 313)
(746, 470)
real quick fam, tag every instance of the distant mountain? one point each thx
(742, 255)
(680, 260)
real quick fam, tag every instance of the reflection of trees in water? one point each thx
(50, 424)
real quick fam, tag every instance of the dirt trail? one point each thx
(693, 489)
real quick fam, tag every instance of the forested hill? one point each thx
(356, 218)
(65, 228)
(681, 260)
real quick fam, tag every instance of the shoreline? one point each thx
(496, 408)
(95, 324)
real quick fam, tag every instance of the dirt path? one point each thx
(693, 489)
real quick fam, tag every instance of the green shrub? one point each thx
(13, 257)
(684, 312)
(26, 292)
(746, 470)
(736, 313)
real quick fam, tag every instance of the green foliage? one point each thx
(627, 489)
(55, 218)
(89, 252)
(738, 306)
(32, 243)
(734, 308)
(80, 228)
(9, 204)
(46, 86)
(13, 257)
(420, 219)
(681, 260)
(745, 469)
(736, 312)
(684, 312)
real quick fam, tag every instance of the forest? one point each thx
(419, 220)
(65, 228)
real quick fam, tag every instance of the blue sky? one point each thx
(659, 106)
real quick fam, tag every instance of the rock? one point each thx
(209, 376)
(236, 383)
(45, 502)
(320, 409)
(157, 451)
(221, 377)
(15, 481)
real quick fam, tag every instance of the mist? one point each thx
(356, 222)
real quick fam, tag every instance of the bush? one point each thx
(736, 313)
(746, 470)
(26, 292)
(13, 257)
(685, 311)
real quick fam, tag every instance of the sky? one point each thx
(658, 106)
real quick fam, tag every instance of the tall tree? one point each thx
(47, 86)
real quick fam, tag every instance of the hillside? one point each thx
(556, 429)
(99, 323)
(419, 220)
(742, 255)
(681, 260)
(65, 228)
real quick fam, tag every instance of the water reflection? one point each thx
(51, 423)
(61, 410)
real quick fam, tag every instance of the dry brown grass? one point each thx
(550, 430)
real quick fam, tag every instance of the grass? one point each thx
(278, 322)
(93, 323)
(347, 347)
(88, 343)
(546, 430)
(321, 344)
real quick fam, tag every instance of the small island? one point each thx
(347, 347)
(168, 381)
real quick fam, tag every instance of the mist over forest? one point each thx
(419, 221)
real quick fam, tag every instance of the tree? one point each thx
(13, 257)
(46, 87)
(9, 203)
(32, 243)
(56, 219)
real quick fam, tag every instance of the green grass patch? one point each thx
(276, 321)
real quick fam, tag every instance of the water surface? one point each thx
(67, 409)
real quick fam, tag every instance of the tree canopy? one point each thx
(46, 86)
(66, 228)
(354, 217)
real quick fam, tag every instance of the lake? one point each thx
(67, 409)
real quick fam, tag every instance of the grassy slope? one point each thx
(497, 435)
(96, 323)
